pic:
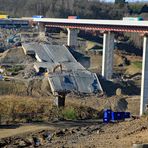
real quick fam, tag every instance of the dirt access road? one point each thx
(14, 130)
(85, 134)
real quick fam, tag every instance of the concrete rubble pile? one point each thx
(65, 74)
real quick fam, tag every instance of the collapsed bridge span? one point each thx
(65, 74)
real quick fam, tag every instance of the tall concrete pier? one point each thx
(41, 29)
(72, 37)
(107, 59)
(144, 82)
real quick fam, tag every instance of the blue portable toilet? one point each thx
(114, 116)
(107, 115)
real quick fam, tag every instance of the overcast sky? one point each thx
(128, 0)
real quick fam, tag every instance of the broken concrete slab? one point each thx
(65, 74)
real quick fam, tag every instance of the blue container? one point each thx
(107, 115)
(127, 115)
(117, 116)
(37, 16)
(120, 115)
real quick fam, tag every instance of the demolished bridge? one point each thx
(65, 74)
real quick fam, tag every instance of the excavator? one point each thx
(14, 39)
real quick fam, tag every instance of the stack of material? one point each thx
(65, 73)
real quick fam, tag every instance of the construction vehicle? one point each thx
(13, 38)
(4, 16)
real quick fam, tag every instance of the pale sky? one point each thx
(127, 0)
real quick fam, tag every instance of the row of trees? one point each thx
(64, 8)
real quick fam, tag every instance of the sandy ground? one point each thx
(123, 135)
(9, 131)
(78, 134)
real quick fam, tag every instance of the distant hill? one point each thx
(64, 8)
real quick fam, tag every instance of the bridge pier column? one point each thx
(107, 59)
(72, 37)
(41, 28)
(60, 100)
(144, 81)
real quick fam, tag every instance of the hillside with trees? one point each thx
(63, 8)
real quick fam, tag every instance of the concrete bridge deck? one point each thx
(65, 73)
(102, 25)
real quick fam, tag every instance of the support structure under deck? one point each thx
(41, 28)
(72, 37)
(144, 81)
(107, 59)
